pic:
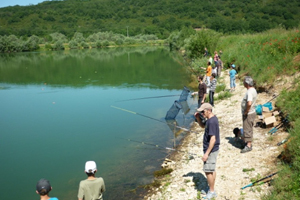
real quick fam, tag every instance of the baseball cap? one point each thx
(43, 184)
(90, 167)
(204, 106)
(233, 65)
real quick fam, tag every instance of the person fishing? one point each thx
(92, 187)
(43, 187)
(201, 91)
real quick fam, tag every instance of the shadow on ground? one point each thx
(199, 180)
(237, 144)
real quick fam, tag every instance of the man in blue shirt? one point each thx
(211, 143)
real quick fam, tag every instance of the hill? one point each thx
(159, 17)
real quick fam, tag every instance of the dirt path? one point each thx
(188, 178)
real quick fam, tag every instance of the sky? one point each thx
(5, 3)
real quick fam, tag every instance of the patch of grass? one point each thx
(248, 170)
(223, 177)
(198, 195)
(223, 95)
(154, 184)
(167, 184)
(182, 189)
(220, 88)
(270, 138)
(162, 172)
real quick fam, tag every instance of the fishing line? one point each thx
(148, 98)
(132, 112)
(191, 155)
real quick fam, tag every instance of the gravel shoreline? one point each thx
(188, 178)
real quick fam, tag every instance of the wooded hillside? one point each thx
(159, 17)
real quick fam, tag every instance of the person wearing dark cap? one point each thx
(91, 188)
(211, 143)
(43, 188)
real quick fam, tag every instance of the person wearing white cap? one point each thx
(232, 74)
(211, 143)
(91, 188)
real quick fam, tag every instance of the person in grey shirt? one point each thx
(91, 188)
(248, 112)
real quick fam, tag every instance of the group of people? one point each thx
(90, 188)
(207, 120)
(215, 63)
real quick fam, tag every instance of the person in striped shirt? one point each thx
(212, 87)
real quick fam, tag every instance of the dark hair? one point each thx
(43, 192)
(213, 75)
(90, 174)
(200, 77)
(208, 63)
(236, 131)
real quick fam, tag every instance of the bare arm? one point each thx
(204, 96)
(249, 103)
(210, 147)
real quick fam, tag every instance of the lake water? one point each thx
(56, 114)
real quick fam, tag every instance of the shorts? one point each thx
(210, 164)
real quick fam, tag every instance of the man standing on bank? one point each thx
(201, 91)
(211, 143)
(248, 112)
(92, 187)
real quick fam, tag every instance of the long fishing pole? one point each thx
(132, 112)
(251, 184)
(161, 147)
(148, 97)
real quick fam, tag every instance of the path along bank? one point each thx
(234, 169)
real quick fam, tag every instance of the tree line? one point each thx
(59, 41)
(158, 17)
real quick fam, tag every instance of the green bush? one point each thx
(58, 45)
(48, 46)
(204, 38)
(84, 45)
(73, 44)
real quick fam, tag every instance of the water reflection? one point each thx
(56, 114)
(125, 67)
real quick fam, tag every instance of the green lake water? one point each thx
(56, 114)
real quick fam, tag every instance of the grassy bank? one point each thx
(268, 57)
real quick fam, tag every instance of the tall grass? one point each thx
(264, 56)
(268, 57)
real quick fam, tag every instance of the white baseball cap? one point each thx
(90, 167)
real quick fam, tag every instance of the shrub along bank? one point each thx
(58, 41)
(267, 57)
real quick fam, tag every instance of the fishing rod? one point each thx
(132, 112)
(148, 97)
(251, 184)
(281, 124)
(275, 96)
(191, 155)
